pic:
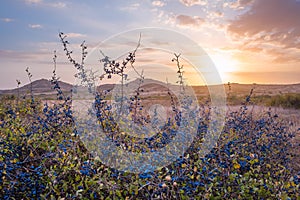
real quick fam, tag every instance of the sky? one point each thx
(248, 41)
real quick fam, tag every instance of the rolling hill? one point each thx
(43, 87)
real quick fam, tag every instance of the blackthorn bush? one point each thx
(42, 155)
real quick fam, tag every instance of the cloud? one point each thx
(271, 28)
(158, 3)
(35, 26)
(269, 21)
(58, 4)
(250, 48)
(131, 7)
(22, 55)
(7, 20)
(75, 35)
(239, 4)
(215, 14)
(284, 55)
(188, 21)
(33, 1)
(270, 77)
(193, 2)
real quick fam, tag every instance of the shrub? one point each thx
(42, 156)
(286, 101)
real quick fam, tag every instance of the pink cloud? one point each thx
(272, 21)
(240, 4)
(188, 21)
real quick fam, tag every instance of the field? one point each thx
(256, 157)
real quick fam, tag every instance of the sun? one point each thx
(225, 65)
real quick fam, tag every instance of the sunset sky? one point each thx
(249, 41)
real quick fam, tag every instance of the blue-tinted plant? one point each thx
(42, 156)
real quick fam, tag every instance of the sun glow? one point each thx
(225, 64)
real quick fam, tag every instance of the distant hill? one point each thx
(43, 87)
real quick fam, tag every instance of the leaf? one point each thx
(236, 166)
(77, 178)
(118, 193)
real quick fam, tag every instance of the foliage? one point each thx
(42, 156)
(291, 100)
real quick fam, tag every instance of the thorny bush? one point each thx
(42, 156)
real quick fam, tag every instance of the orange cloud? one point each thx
(265, 77)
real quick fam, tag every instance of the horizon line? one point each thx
(241, 83)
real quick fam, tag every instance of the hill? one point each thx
(42, 87)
